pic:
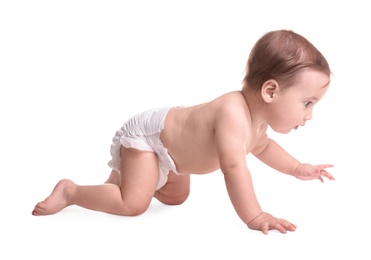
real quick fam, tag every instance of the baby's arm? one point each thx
(272, 154)
(231, 138)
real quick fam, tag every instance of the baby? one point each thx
(154, 152)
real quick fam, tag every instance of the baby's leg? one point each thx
(114, 178)
(139, 177)
(175, 191)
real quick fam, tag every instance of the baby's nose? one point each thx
(309, 116)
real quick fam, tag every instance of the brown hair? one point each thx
(280, 55)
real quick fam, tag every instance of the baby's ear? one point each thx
(269, 89)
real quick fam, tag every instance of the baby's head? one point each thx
(281, 55)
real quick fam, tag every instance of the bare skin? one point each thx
(58, 199)
(202, 139)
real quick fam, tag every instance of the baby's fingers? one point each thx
(265, 227)
(326, 174)
(323, 173)
(280, 225)
(287, 225)
(324, 166)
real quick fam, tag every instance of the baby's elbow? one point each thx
(232, 168)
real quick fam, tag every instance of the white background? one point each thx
(71, 72)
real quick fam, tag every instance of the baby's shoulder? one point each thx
(230, 108)
(230, 103)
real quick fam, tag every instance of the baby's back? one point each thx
(189, 134)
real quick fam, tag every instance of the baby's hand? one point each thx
(310, 172)
(265, 222)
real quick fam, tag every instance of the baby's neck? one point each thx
(256, 108)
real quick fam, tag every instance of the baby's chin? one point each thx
(284, 131)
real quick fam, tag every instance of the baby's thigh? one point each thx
(139, 175)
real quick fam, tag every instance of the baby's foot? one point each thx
(57, 200)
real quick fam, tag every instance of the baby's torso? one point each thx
(189, 135)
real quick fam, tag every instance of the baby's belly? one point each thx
(196, 163)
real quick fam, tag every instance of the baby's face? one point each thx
(293, 105)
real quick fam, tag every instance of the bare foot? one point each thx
(59, 199)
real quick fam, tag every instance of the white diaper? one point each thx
(142, 132)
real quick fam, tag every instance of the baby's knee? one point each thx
(180, 198)
(183, 198)
(172, 199)
(132, 210)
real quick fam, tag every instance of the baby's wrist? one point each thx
(254, 218)
(256, 222)
(294, 172)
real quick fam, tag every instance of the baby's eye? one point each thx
(308, 103)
